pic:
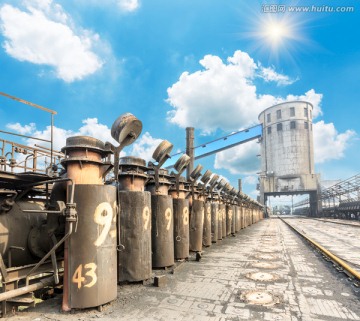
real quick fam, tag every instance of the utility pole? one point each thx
(190, 150)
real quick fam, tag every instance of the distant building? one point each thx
(287, 152)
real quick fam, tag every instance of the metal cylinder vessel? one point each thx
(181, 219)
(223, 219)
(90, 252)
(23, 238)
(233, 221)
(181, 228)
(162, 221)
(207, 224)
(196, 225)
(134, 226)
(214, 222)
(238, 218)
(220, 221)
(229, 219)
(91, 249)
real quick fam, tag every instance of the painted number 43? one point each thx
(85, 275)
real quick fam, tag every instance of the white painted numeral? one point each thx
(103, 216)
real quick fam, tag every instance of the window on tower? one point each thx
(292, 111)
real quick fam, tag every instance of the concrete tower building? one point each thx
(287, 152)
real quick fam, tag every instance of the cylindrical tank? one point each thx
(223, 221)
(229, 219)
(196, 222)
(181, 220)
(162, 221)
(238, 218)
(90, 252)
(214, 221)
(220, 220)
(23, 238)
(134, 255)
(91, 249)
(233, 223)
(207, 224)
(181, 228)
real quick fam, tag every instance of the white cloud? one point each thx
(128, 5)
(23, 130)
(252, 180)
(240, 159)
(223, 95)
(269, 74)
(145, 146)
(90, 127)
(328, 143)
(312, 97)
(44, 34)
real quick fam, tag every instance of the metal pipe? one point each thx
(57, 181)
(52, 139)
(42, 211)
(26, 289)
(26, 161)
(28, 103)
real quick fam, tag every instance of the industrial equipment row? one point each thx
(100, 220)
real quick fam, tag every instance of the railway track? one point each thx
(341, 252)
(338, 221)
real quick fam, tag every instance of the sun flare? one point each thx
(276, 32)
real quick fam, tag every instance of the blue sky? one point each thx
(212, 64)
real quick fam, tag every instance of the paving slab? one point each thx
(266, 272)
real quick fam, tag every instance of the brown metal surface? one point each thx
(229, 219)
(222, 208)
(132, 174)
(126, 129)
(181, 228)
(134, 259)
(237, 218)
(162, 231)
(207, 225)
(196, 225)
(92, 255)
(15, 240)
(220, 216)
(214, 222)
(233, 222)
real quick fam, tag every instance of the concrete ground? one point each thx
(266, 272)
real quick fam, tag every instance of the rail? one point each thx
(330, 255)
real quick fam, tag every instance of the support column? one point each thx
(190, 150)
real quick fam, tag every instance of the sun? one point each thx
(278, 36)
(276, 32)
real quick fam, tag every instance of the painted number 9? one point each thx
(168, 218)
(103, 217)
(146, 217)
